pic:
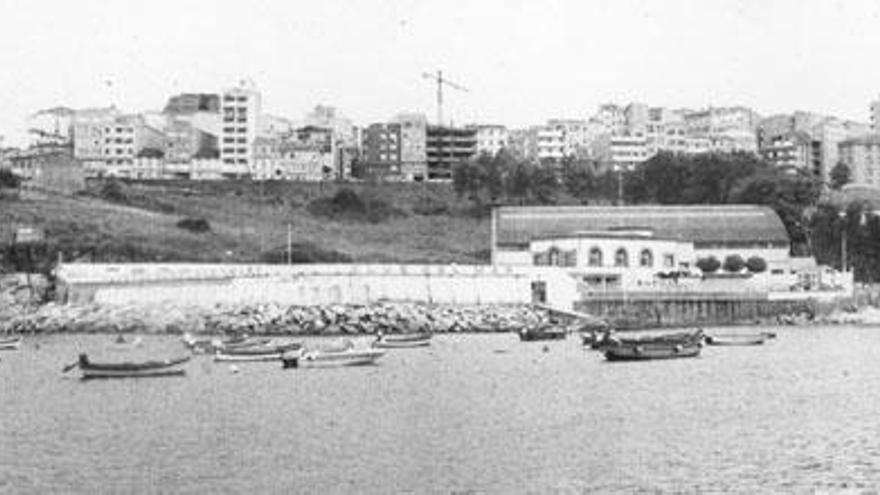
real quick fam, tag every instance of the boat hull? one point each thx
(172, 367)
(10, 344)
(331, 359)
(401, 344)
(650, 352)
(534, 336)
(749, 340)
(240, 358)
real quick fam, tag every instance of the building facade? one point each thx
(240, 110)
(447, 147)
(862, 156)
(491, 138)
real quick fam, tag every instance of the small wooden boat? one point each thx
(737, 339)
(420, 339)
(348, 357)
(168, 367)
(542, 333)
(266, 352)
(11, 344)
(610, 339)
(649, 351)
(212, 345)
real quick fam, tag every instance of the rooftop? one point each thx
(702, 224)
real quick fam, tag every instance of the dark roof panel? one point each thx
(723, 224)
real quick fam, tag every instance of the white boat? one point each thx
(10, 344)
(347, 357)
(240, 358)
(402, 341)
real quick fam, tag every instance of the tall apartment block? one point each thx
(240, 119)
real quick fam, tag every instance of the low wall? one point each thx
(307, 284)
(674, 310)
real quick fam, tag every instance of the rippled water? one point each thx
(473, 413)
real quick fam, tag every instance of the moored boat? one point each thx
(266, 352)
(11, 344)
(421, 339)
(347, 357)
(167, 367)
(611, 339)
(527, 334)
(736, 339)
(649, 351)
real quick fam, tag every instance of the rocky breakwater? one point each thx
(271, 319)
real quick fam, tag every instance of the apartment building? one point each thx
(240, 110)
(734, 127)
(413, 145)
(381, 150)
(793, 151)
(184, 142)
(291, 160)
(447, 147)
(491, 138)
(862, 156)
(550, 143)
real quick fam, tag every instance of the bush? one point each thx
(709, 265)
(8, 180)
(734, 263)
(348, 205)
(197, 225)
(756, 264)
(113, 191)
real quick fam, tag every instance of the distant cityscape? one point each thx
(226, 135)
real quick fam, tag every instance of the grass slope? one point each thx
(248, 222)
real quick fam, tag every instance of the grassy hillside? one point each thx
(248, 222)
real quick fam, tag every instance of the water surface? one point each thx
(479, 413)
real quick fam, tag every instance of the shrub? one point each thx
(756, 264)
(348, 205)
(113, 190)
(709, 265)
(197, 225)
(9, 180)
(304, 252)
(734, 263)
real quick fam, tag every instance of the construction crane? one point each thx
(441, 81)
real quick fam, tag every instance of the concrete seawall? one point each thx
(194, 284)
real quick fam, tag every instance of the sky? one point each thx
(522, 61)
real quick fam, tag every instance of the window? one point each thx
(646, 259)
(595, 258)
(669, 260)
(621, 258)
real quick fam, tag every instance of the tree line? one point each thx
(814, 224)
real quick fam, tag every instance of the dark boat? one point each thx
(168, 367)
(651, 351)
(542, 333)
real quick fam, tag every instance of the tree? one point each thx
(840, 175)
(734, 263)
(709, 265)
(578, 179)
(518, 181)
(544, 185)
(756, 264)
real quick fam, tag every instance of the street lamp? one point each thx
(842, 216)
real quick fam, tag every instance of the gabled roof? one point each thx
(702, 224)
